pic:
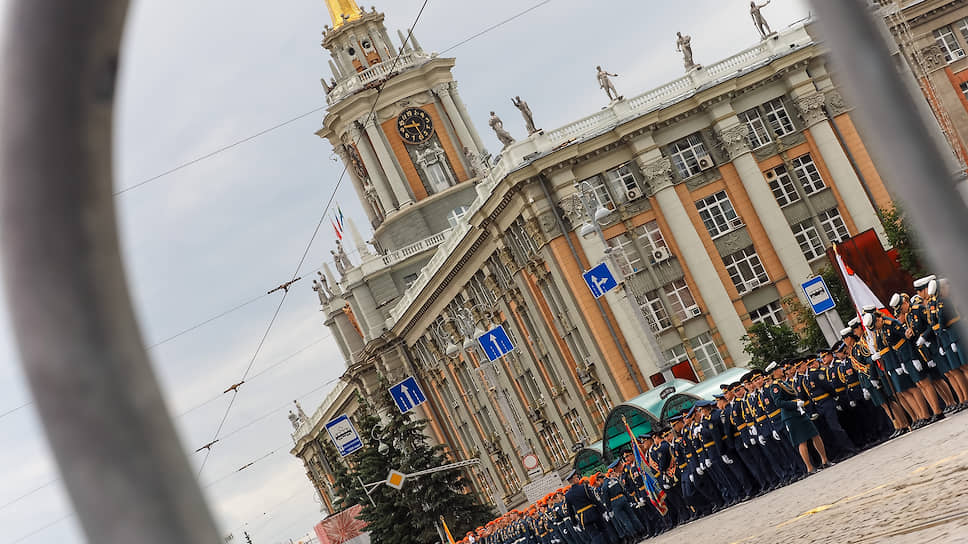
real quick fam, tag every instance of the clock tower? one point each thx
(397, 121)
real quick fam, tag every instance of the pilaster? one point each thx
(397, 183)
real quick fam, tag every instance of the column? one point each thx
(658, 173)
(466, 117)
(734, 137)
(397, 183)
(374, 168)
(852, 192)
(443, 92)
(345, 156)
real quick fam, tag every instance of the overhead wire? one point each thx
(312, 239)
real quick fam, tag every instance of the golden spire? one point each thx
(342, 11)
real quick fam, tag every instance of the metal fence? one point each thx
(124, 468)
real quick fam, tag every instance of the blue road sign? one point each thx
(408, 395)
(600, 280)
(495, 343)
(818, 295)
(344, 435)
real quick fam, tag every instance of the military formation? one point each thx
(896, 370)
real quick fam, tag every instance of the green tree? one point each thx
(765, 343)
(407, 515)
(903, 238)
(805, 324)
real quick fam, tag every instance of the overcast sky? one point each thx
(197, 76)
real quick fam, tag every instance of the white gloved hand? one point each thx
(666, 486)
(941, 350)
(876, 383)
(762, 440)
(692, 478)
(867, 395)
(752, 441)
(776, 435)
(753, 430)
(839, 408)
(853, 404)
(954, 347)
(932, 364)
(921, 341)
(875, 356)
(726, 459)
(709, 463)
(800, 403)
(899, 371)
(699, 470)
(578, 528)
(917, 365)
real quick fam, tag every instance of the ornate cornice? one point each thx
(735, 140)
(811, 108)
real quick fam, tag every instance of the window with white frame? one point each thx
(628, 257)
(675, 355)
(554, 444)
(946, 40)
(771, 314)
(717, 213)
(808, 173)
(654, 311)
(576, 429)
(454, 216)
(779, 119)
(833, 225)
(681, 302)
(623, 182)
(508, 476)
(707, 355)
(746, 270)
(686, 154)
(782, 185)
(650, 236)
(759, 134)
(600, 194)
(809, 240)
(601, 403)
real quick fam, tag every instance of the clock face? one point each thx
(415, 126)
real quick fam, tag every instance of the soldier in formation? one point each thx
(895, 370)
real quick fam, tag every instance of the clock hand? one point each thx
(412, 125)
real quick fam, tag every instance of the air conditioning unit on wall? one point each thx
(706, 162)
(632, 193)
(660, 254)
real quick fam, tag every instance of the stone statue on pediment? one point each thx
(605, 83)
(503, 135)
(758, 20)
(684, 45)
(526, 113)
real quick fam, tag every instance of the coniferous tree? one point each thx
(407, 515)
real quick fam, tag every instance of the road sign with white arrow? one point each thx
(495, 343)
(600, 280)
(408, 395)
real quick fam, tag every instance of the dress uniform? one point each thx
(711, 434)
(616, 496)
(748, 447)
(818, 389)
(799, 427)
(586, 510)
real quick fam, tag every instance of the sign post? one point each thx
(344, 435)
(600, 280)
(822, 302)
(407, 395)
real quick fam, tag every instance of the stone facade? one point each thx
(699, 180)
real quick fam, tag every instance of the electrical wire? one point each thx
(496, 25)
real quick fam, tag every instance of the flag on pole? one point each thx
(859, 291)
(450, 538)
(652, 488)
(339, 235)
(339, 217)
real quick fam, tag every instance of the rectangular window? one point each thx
(746, 270)
(650, 236)
(809, 176)
(771, 314)
(654, 311)
(602, 405)
(681, 303)
(676, 355)
(627, 256)
(809, 240)
(575, 427)
(686, 155)
(946, 40)
(833, 225)
(759, 134)
(964, 89)
(717, 213)
(782, 186)
(708, 356)
(600, 193)
(777, 116)
(623, 183)
(554, 445)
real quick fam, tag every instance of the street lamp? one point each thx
(585, 195)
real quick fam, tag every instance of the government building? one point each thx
(711, 199)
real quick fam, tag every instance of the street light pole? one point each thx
(593, 224)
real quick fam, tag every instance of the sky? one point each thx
(198, 76)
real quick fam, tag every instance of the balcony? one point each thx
(375, 73)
